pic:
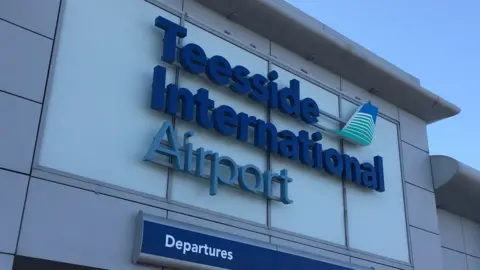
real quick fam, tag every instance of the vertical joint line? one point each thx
(344, 188)
(463, 238)
(40, 118)
(170, 171)
(405, 196)
(269, 157)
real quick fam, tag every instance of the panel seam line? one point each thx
(24, 28)
(15, 95)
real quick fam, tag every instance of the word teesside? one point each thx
(303, 147)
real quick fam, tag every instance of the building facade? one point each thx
(210, 134)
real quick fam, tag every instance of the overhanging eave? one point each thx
(457, 187)
(289, 27)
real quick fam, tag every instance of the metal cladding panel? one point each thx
(99, 95)
(457, 186)
(376, 221)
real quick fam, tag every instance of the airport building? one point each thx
(213, 134)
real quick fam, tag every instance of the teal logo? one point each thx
(361, 126)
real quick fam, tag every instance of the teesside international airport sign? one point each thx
(301, 147)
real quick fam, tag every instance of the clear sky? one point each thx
(437, 41)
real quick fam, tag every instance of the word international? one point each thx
(302, 146)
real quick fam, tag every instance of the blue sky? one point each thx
(438, 41)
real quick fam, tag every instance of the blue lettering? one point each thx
(244, 121)
(273, 89)
(253, 171)
(369, 176)
(305, 144)
(317, 151)
(157, 148)
(203, 105)
(193, 58)
(259, 90)
(285, 180)
(289, 99)
(332, 162)
(219, 70)
(216, 175)
(201, 155)
(352, 171)
(288, 147)
(309, 111)
(158, 88)
(378, 161)
(265, 134)
(173, 96)
(225, 120)
(172, 31)
(241, 82)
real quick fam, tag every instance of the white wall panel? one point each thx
(99, 123)
(376, 220)
(355, 91)
(195, 191)
(325, 100)
(317, 209)
(299, 62)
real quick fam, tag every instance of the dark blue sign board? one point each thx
(161, 244)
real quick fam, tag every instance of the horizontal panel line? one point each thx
(425, 230)
(322, 112)
(13, 171)
(181, 208)
(15, 95)
(461, 252)
(426, 151)
(24, 28)
(268, 57)
(415, 185)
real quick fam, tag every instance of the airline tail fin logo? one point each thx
(361, 126)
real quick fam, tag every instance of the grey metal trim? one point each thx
(404, 189)
(339, 54)
(147, 199)
(457, 186)
(116, 191)
(308, 240)
(137, 242)
(166, 7)
(322, 258)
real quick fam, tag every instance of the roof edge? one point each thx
(339, 54)
(288, 10)
(457, 186)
